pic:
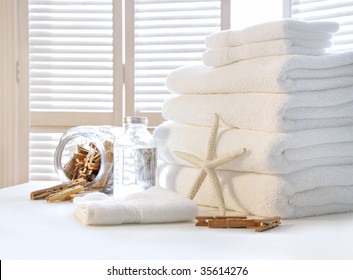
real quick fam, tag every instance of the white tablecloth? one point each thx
(41, 230)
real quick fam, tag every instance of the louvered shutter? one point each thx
(70, 73)
(336, 10)
(71, 55)
(168, 34)
(75, 72)
(41, 159)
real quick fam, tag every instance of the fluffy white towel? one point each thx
(276, 74)
(272, 153)
(281, 29)
(317, 191)
(155, 205)
(224, 56)
(265, 112)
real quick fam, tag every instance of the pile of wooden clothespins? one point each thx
(86, 164)
(82, 168)
(238, 222)
(61, 192)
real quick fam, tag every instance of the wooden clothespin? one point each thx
(43, 193)
(265, 224)
(204, 220)
(238, 222)
(65, 194)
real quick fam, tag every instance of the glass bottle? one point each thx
(87, 152)
(135, 159)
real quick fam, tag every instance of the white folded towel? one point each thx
(264, 111)
(274, 74)
(281, 29)
(317, 191)
(272, 153)
(155, 205)
(224, 56)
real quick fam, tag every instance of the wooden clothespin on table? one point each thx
(60, 192)
(238, 222)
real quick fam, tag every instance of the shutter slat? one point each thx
(177, 7)
(69, 25)
(72, 57)
(179, 15)
(71, 41)
(72, 49)
(71, 33)
(166, 49)
(72, 81)
(70, 73)
(69, 2)
(176, 32)
(71, 90)
(340, 11)
(167, 41)
(166, 24)
(170, 65)
(168, 57)
(73, 97)
(70, 17)
(47, 9)
(62, 106)
(184, 2)
(72, 65)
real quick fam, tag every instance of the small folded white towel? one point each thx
(280, 29)
(317, 191)
(274, 74)
(264, 111)
(155, 205)
(270, 153)
(224, 56)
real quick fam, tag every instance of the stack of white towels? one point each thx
(289, 103)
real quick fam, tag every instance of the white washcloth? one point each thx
(224, 56)
(317, 191)
(264, 111)
(272, 153)
(276, 74)
(281, 29)
(155, 205)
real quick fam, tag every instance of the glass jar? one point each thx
(87, 152)
(135, 156)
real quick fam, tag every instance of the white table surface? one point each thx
(40, 230)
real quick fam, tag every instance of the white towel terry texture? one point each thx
(288, 36)
(290, 107)
(155, 205)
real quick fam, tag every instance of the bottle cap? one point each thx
(136, 120)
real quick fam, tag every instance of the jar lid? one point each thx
(136, 120)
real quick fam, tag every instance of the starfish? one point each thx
(208, 166)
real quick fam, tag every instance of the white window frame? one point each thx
(8, 89)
